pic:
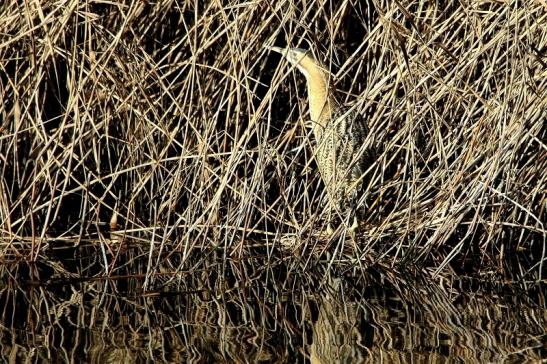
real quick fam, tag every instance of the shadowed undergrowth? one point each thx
(169, 123)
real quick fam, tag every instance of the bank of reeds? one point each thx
(168, 122)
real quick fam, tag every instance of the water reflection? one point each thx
(427, 326)
(276, 314)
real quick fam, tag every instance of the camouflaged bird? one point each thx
(340, 135)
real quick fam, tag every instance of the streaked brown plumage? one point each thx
(339, 133)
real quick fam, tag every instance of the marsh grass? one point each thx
(172, 118)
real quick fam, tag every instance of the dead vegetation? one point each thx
(170, 116)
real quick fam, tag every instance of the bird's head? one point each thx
(301, 58)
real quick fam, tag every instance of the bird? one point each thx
(340, 134)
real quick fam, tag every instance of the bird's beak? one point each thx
(275, 49)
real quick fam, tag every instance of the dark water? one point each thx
(234, 311)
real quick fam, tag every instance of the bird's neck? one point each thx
(321, 100)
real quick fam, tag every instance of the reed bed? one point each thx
(167, 126)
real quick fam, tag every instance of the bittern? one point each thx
(340, 135)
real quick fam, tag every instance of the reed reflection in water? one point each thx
(298, 319)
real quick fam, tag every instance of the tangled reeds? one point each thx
(170, 116)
